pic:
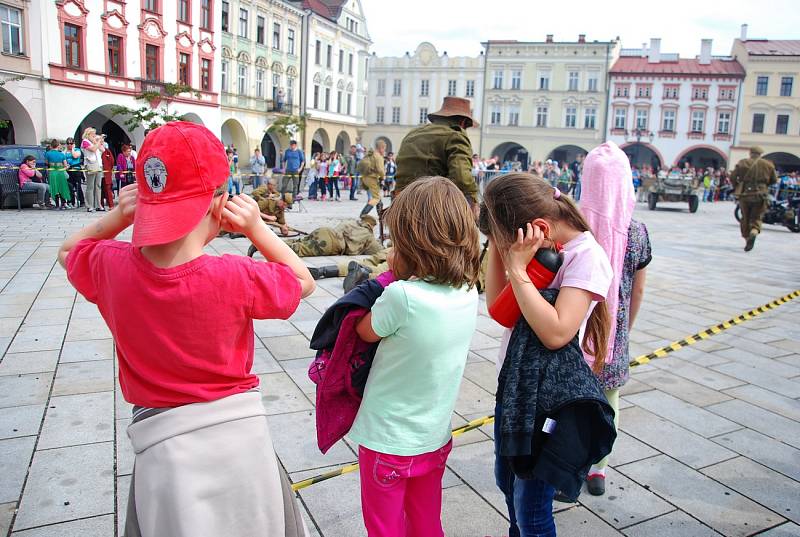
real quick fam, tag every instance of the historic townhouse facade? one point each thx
(334, 81)
(403, 90)
(544, 99)
(770, 104)
(259, 72)
(665, 110)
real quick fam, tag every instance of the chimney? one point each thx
(705, 52)
(581, 38)
(644, 50)
(654, 54)
(743, 37)
(549, 38)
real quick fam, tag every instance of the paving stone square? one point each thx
(709, 440)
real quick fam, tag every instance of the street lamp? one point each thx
(637, 134)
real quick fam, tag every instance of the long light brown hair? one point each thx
(434, 234)
(513, 200)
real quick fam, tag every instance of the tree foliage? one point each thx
(156, 110)
(289, 126)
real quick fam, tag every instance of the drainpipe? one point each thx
(483, 100)
(608, 94)
(736, 122)
(304, 40)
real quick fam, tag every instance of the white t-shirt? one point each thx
(586, 267)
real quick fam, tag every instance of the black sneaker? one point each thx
(561, 497)
(355, 275)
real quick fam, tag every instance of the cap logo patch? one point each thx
(155, 173)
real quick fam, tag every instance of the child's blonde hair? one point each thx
(89, 131)
(434, 234)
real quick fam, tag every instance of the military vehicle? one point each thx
(675, 187)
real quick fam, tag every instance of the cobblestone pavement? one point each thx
(709, 441)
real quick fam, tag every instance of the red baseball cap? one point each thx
(178, 168)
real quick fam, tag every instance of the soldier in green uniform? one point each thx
(271, 204)
(751, 179)
(372, 174)
(440, 148)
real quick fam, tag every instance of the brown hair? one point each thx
(513, 200)
(54, 144)
(434, 233)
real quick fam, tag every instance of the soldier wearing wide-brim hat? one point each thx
(751, 179)
(440, 148)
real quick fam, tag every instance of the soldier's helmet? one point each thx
(370, 220)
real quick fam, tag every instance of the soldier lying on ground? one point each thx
(272, 208)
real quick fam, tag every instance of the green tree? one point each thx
(156, 111)
(289, 126)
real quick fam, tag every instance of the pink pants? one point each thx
(402, 496)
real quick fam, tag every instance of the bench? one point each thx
(9, 187)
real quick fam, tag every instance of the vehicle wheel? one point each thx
(737, 212)
(652, 199)
(694, 203)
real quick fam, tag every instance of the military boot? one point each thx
(366, 210)
(751, 241)
(328, 271)
(356, 274)
(252, 250)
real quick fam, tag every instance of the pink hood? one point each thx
(607, 202)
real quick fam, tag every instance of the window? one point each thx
(224, 75)
(698, 120)
(470, 88)
(700, 93)
(497, 114)
(516, 80)
(349, 104)
(727, 94)
(242, 87)
(150, 5)
(205, 75)
(317, 52)
(260, 83)
(114, 55)
(276, 85)
(290, 41)
(671, 92)
(541, 116)
(641, 119)
(244, 15)
(451, 88)
(379, 115)
(724, 123)
(621, 90)
(276, 36)
(341, 61)
(758, 123)
(498, 79)
(620, 118)
(423, 115)
(397, 87)
(316, 96)
(761, 85)
(782, 124)
(381, 90)
(184, 68)
(338, 102)
(11, 24)
(151, 53)
(72, 46)
(786, 86)
(205, 14)
(329, 56)
(544, 81)
(573, 81)
(396, 115)
(260, 24)
(570, 117)
(592, 82)
(350, 64)
(289, 90)
(424, 87)
(668, 125)
(590, 118)
(224, 20)
(183, 10)
(643, 91)
(513, 115)
(327, 99)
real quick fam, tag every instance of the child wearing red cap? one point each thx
(183, 326)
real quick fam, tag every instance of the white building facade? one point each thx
(334, 81)
(668, 111)
(403, 90)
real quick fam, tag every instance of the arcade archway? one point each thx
(233, 134)
(103, 120)
(270, 148)
(320, 142)
(566, 153)
(511, 152)
(641, 154)
(343, 143)
(192, 118)
(16, 125)
(703, 157)
(385, 140)
(784, 162)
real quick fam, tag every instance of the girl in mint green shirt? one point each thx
(424, 322)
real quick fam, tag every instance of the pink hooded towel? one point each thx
(607, 202)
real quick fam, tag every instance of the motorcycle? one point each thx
(781, 212)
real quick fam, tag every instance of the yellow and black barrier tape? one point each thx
(643, 359)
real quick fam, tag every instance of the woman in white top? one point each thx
(92, 149)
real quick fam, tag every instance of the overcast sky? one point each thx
(459, 26)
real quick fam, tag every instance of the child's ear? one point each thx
(543, 225)
(217, 205)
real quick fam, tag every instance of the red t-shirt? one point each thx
(183, 334)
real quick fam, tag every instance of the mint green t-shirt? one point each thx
(414, 380)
